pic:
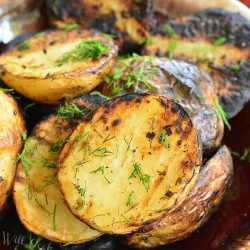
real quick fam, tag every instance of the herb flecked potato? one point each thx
(12, 127)
(119, 166)
(58, 65)
(206, 195)
(37, 197)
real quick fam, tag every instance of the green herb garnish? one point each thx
(84, 50)
(234, 67)
(144, 178)
(246, 154)
(170, 31)
(69, 110)
(47, 163)
(100, 169)
(23, 46)
(129, 201)
(172, 46)
(70, 27)
(220, 41)
(163, 139)
(222, 113)
(33, 243)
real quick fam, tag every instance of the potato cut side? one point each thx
(128, 165)
(12, 127)
(197, 207)
(58, 65)
(37, 196)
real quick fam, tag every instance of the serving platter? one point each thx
(224, 227)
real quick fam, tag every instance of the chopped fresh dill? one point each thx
(220, 41)
(85, 50)
(131, 74)
(170, 31)
(101, 152)
(7, 90)
(23, 46)
(47, 163)
(222, 113)
(70, 27)
(172, 46)
(246, 154)
(108, 36)
(163, 139)
(100, 94)
(55, 147)
(234, 67)
(25, 135)
(69, 110)
(28, 107)
(33, 242)
(144, 178)
(129, 200)
(100, 169)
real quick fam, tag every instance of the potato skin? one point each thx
(183, 82)
(12, 127)
(201, 202)
(194, 40)
(34, 73)
(37, 192)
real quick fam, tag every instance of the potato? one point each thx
(183, 82)
(119, 168)
(213, 40)
(12, 128)
(126, 20)
(58, 65)
(197, 207)
(37, 197)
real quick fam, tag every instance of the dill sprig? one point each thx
(69, 110)
(33, 243)
(70, 27)
(163, 139)
(101, 152)
(100, 169)
(124, 77)
(144, 178)
(85, 50)
(55, 147)
(129, 200)
(23, 46)
(170, 30)
(246, 154)
(222, 113)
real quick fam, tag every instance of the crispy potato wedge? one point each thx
(217, 41)
(12, 127)
(118, 165)
(58, 65)
(177, 80)
(127, 20)
(37, 196)
(197, 207)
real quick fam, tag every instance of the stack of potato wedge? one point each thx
(134, 147)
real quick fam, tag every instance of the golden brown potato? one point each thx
(58, 65)
(218, 42)
(37, 197)
(116, 168)
(125, 19)
(197, 207)
(177, 80)
(12, 128)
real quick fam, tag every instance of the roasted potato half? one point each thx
(12, 128)
(58, 65)
(126, 20)
(217, 41)
(117, 167)
(177, 80)
(37, 197)
(199, 204)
